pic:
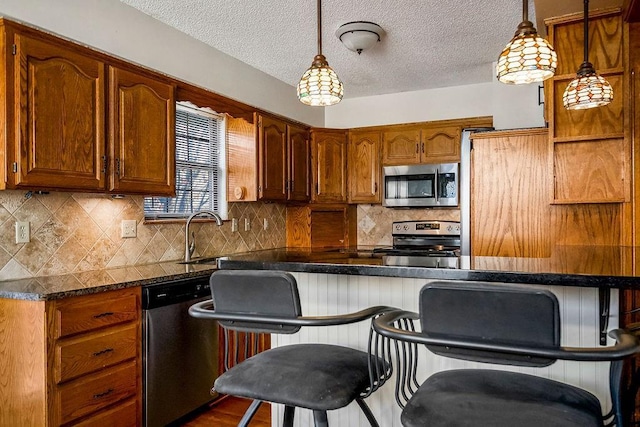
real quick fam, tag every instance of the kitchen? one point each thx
(78, 232)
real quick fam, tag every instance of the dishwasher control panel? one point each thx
(173, 292)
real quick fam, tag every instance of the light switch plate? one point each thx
(247, 224)
(129, 228)
(234, 225)
(23, 232)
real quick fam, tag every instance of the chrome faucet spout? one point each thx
(189, 247)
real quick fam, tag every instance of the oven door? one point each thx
(421, 185)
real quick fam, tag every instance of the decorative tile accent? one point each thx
(374, 221)
(78, 232)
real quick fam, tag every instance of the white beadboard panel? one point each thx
(323, 294)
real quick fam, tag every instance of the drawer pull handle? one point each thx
(103, 394)
(106, 350)
(105, 314)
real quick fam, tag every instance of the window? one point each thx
(200, 166)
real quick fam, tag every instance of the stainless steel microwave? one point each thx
(425, 185)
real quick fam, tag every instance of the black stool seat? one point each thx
(473, 397)
(313, 376)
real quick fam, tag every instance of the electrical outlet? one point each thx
(128, 228)
(247, 224)
(265, 224)
(234, 225)
(23, 232)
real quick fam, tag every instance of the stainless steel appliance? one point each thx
(421, 185)
(180, 353)
(434, 244)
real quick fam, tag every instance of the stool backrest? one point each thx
(493, 313)
(256, 293)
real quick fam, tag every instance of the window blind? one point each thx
(199, 171)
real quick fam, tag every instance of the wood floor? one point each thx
(227, 413)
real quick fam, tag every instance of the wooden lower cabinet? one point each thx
(74, 361)
(321, 226)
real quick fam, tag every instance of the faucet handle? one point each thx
(192, 245)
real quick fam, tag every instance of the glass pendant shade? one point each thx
(527, 58)
(319, 85)
(588, 90)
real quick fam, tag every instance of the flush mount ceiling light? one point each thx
(359, 35)
(319, 85)
(588, 89)
(527, 58)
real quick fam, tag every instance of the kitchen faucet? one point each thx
(190, 247)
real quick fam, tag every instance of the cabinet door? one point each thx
(401, 147)
(441, 145)
(272, 158)
(299, 154)
(364, 167)
(329, 163)
(142, 134)
(60, 138)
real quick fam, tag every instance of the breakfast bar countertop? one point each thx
(584, 266)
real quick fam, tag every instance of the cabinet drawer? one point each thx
(89, 394)
(88, 353)
(123, 415)
(81, 314)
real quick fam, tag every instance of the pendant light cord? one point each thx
(525, 10)
(586, 31)
(319, 27)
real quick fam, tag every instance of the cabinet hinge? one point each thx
(260, 189)
(15, 167)
(104, 164)
(118, 167)
(14, 49)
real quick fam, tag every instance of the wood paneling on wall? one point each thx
(512, 214)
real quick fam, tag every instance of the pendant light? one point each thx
(320, 86)
(588, 89)
(527, 58)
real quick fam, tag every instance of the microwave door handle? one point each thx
(435, 190)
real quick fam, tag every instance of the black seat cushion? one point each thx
(313, 376)
(470, 397)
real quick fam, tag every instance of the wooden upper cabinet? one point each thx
(401, 147)
(364, 167)
(142, 134)
(590, 149)
(413, 145)
(298, 188)
(441, 145)
(272, 158)
(329, 165)
(59, 108)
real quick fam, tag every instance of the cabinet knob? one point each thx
(239, 193)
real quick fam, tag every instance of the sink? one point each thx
(211, 260)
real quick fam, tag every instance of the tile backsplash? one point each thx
(374, 221)
(74, 232)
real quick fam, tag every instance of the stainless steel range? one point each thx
(426, 243)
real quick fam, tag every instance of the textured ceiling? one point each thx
(428, 43)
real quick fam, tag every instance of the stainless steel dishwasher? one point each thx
(180, 353)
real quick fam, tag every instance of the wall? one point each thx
(123, 31)
(511, 106)
(80, 232)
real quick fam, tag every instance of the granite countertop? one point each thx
(69, 285)
(585, 266)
